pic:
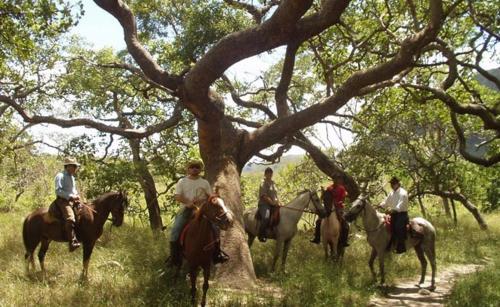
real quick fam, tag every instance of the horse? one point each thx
(379, 237)
(330, 233)
(284, 232)
(40, 226)
(198, 240)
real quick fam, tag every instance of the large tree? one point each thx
(358, 49)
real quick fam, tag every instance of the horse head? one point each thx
(315, 204)
(357, 207)
(216, 211)
(118, 206)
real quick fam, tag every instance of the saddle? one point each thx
(54, 213)
(275, 217)
(413, 228)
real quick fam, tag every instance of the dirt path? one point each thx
(405, 293)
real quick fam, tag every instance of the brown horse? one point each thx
(40, 226)
(199, 240)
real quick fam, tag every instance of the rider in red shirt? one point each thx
(333, 199)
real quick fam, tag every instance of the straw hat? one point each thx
(70, 161)
(194, 162)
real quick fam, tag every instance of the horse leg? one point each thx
(206, 276)
(423, 263)
(430, 252)
(286, 247)
(335, 247)
(41, 256)
(370, 263)
(251, 238)
(277, 251)
(381, 266)
(326, 246)
(193, 272)
(88, 247)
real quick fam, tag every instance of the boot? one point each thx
(400, 247)
(70, 236)
(317, 232)
(262, 231)
(219, 255)
(175, 254)
(344, 235)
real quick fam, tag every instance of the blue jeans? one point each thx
(180, 221)
(265, 215)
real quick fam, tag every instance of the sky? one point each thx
(100, 30)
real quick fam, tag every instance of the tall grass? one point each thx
(127, 269)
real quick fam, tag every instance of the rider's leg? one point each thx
(265, 214)
(219, 255)
(317, 232)
(69, 227)
(180, 221)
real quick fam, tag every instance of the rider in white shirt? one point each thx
(397, 203)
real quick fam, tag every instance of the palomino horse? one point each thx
(379, 237)
(330, 233)
(198, 240)
(40, 226)
(287, 227)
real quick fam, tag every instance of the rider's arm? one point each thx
(186, 202)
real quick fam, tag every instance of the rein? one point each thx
(302, 210)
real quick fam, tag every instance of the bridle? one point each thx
(305, 210)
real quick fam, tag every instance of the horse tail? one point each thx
(31, 237)
(26, 236)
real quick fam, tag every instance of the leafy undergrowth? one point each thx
(127, 269)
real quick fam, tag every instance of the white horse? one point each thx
(284, 232)
(379, 237)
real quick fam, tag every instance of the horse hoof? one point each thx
(432, 288)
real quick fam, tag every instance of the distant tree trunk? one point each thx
(446, 206)
(467, 204)
(422, 208)
(148, 186)
(454, 212)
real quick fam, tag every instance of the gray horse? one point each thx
(379, 237)
(287, 228)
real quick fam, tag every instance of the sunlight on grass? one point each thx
(127, 268)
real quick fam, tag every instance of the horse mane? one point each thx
(103, 197)
(198, 213)
(303, 191)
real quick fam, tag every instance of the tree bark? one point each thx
(148, 186)
(219, 150)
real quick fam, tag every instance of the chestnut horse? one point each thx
(198, 240)
(40, 226)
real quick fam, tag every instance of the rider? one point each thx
(67, 197)
(397, 203)
(334, 199)
(191, 191)
(268, 198)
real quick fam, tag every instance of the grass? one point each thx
(137, 279)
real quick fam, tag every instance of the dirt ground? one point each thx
(406, 293)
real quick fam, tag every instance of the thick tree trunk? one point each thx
(219, 146)
(148, 186)
(446, 206)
